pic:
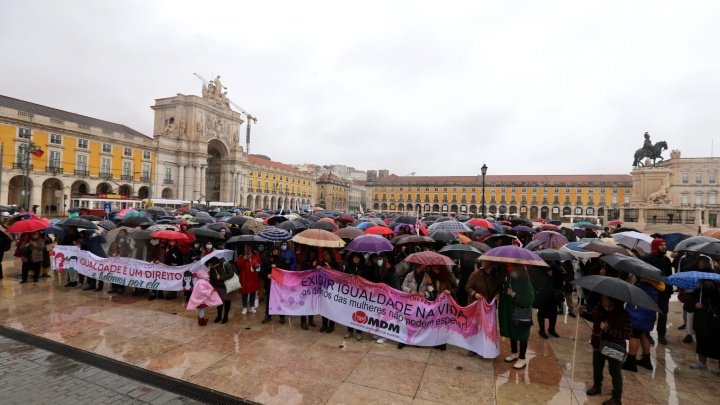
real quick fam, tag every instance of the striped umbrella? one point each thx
(452, 226)
(274, 234)
(549, 240)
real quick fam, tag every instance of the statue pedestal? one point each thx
(647, 181)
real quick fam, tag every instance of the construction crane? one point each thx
(248, 117)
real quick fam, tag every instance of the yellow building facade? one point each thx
(333, 193)
(276, 185)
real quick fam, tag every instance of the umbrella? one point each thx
(274, 220)
(500, 239)
(672, 239)
(202, 214)
(714, 233)
(575, 249)
(217, 226)
(687, 280)
(253, 226)
(206, 232)
(452, 226)
(261, 215)
(606, 248)
(554, 255)
(707, 248)
(156, 210)
(345, 218)
(522, 228)
(136, 221)
(695, 240)
(239, 220)
(171, 235)
(77, 222)
(550, 227)
(53, 230)
(160, 227)
(619, 289)
(369, 244)
(203, 220)
(625, 229)
(456, 252)
(633, 265)
(324, 225)
(585, 224)
(318, 237)
(615, 222)
(28, 225)
(444, 236)
(128, 213)
(549, 240)
(405, 219)
(349, 233)
(245, 239)
(430, 258)
(112, 234)
(223, 214)
(479, 246)
(513, 254)
(296, 226)
(632, 239)
(366, 225)
(91, 217)
(405, 239)
(483, 223)
(555, 222)
(141, 235)
(107, 224)
(379, 230)
(442, 219)
(275, 234)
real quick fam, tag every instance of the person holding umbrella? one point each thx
(658, 258)
(173, 257)
(704, 304)
(273, 260)
(157, 255)
(517, 292)
(32, 256)
(611, 323)
(92, 242)
(643, 321)
(119, 248)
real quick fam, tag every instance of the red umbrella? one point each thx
(28, 225)
(615, 222)
(483, 223)
(345, 218)
(505, 223)
(387, 221)
(550, 227)
(541, 220)
(379, 230)
(173, 235)
(423, 230)
(430, 258)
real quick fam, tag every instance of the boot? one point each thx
(645, 362)
(613, 401)
(594, 390)
(630, 364)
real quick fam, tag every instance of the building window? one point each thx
(146, 155)
(127, 169)
(627, 191)
(590, 190)
(626, 199)
(524, 189)
(698, 178)
(54, 159)
(104, 166)
(614, 191)
(168, 173)
(685, 199)
(56, 139)
(712, 199)
(145, 172)
(127, 152)
(502, 190)
(578, 211)
(685, 178)
(82, 143)
(698, 200)
(512, 190)
(557, 190)
(602, 190)
(602, 200)
(107, 148)
(614, 199)
(24, 133)
(81, 162)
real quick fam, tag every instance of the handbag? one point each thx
(613, 351)
(522, 316)
(233, 283)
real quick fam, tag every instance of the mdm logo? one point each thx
(361, 318)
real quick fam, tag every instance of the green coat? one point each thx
(524, 297)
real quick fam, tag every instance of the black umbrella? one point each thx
(239, 220)
(408, 239)
(91, 217)
(206, 232)
(456, 252)
(442, 219)
(217, 226)
(245, 239)
(500, 240)
(324, 225)
(619, 289)
(707, 248)
(555, 222)
(695, 240)
(633, 265)
(405, 219)
(554, 255)
(273, 221)
(305, 221)
(292, 226)
(136, 221)
(141, 234)
(444, 236)
(626, 229)
(77, 222)
(203, 220)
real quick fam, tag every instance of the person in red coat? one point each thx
(248, 266)
(184, 244)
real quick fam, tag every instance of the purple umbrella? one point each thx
(548, 240)
(369, 244)
(522, 228)
(513, 254)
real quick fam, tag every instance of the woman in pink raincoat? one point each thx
(203, 296)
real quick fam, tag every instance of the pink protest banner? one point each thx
(129, 272)
(378, 309)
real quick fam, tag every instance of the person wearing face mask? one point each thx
(92, 242)
(184, 244)
(32, 256)
(610, 323)
(517, 292)
(157, 255)
(329, 261)
(379, 270)
(195, 253)
(119, 248)
(208, 247)
(289, 254)
(173, 257)
(273, 260)
(354, 266)
(248, 265)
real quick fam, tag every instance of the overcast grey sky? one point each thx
(435, 88)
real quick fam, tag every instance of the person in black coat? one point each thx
(92, 242)
(173, 257)
(546, 301)
(274, 259)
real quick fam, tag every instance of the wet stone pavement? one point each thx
(29, 375)
(283, 364)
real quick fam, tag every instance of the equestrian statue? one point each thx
(649, 151)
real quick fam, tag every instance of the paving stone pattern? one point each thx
(29, 375)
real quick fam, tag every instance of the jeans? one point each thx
(245, 299)
(614, 367)
(663, 301)
(514, 347)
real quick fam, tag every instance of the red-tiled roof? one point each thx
(265, 162)
(503, 179)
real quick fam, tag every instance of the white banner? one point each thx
(130, 272)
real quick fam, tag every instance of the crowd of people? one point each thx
(472, 279)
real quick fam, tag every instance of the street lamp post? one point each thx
(483, 170)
